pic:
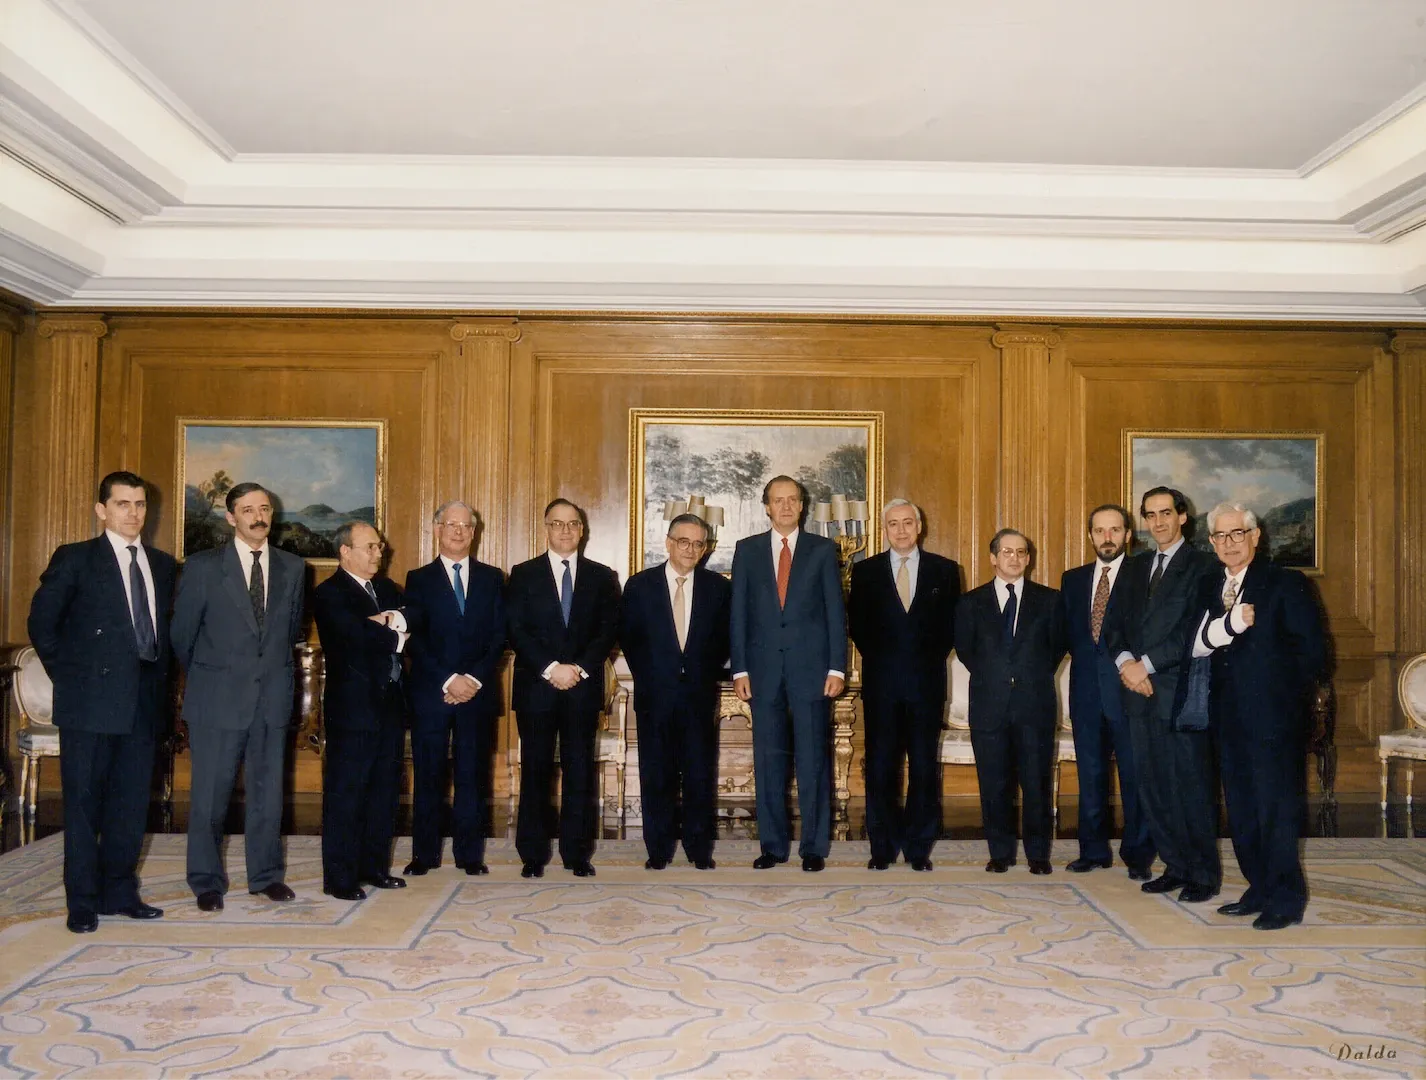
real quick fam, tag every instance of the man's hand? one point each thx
(1133, 674)
(1146, 688)
(833, 686)
(1248, 615)
(461, 689)
(564, 676)
(743, 688)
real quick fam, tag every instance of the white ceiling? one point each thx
(1263, 84)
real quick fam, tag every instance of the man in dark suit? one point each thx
(1148, 635)
(789, 653)
(456, 613)
(562, 613)
(99, 623)
(902, 617)
(236, 619)
(1089, 595)
(673, 628)
(363, 632)
(1259, 623)
(1010, 636)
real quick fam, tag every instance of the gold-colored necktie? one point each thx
(1100, 605)
(680, 619)
(1230, 593)
(903, 585)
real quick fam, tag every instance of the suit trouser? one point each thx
(104, 781)
(678, 757)
(788, 733)
(361, 787)
(898, 731)
(1177, 787)
(1265, 787)
(1017, 752)
(574, 728)
(261, 749)
(462, 739)
(1095, 739)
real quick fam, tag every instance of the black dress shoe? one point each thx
(877, 864)
(705, 864)
(532, 869)
(82, 922)
(212, 900)
(813, 864)
(1237, 907)
(1196, 894)
(1041, 866)
(1084, 866)
(416, 868)
(345, 894)
(921, 866)
(655, 864)
(1140, 873)
(1165, 882)
(384, 881)
(1275, 922)
(766, 862)
(999, 866)
(475, 869)
(277, 891)
(583, 869)
(137, 910)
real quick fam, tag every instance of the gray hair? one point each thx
(892, 504)
(1250, 519)
(690, 519)
(441, 510)
(343, 536)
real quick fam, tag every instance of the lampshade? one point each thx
(822, 512)
(714, 516)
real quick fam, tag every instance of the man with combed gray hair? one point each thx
(901, 614)
(1259, 623)
(456, 613)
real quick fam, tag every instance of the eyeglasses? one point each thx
(1015, 553)
(1235, 535)
(564, 526)
(379, 545)
(463, 526)
(688, 545)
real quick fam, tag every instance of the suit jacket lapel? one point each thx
(111, 574)
(236, 586)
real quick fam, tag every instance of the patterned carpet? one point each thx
(733, 973)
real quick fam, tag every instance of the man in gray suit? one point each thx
(236, 619)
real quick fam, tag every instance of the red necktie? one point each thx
(784, 571)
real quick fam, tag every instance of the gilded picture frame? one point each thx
(1277, 474)
(725, 456)
(320, 472)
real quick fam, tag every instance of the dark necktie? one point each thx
(395, 657)
(1100, 606)
(566, 592)
(1157, 574)
(460, 589)
(139, 600)
(255, 592)
(1008, 615)
(371, 592)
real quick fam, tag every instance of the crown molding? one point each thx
(1364, 131)
(36, 273)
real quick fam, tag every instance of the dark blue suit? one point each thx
(1260, 699)
(1100, 724)
(787, 653)
(903, 696)
(362, 713)
(444, 642)
(110, 708)
(676, 702)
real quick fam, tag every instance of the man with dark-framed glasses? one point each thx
(674, 632)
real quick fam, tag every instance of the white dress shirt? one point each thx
(671, 576)
(121, 552)
(450, 565)
(1222, 630)
(245, 560)
(398, 620)
(1002, 597)
(913, 568)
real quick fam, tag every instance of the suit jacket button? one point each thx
(98, 631)
(103, 671)
(1012, 680)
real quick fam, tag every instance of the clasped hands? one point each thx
(1135, 677)
(460, 690)
(564, 676)
(831, 688)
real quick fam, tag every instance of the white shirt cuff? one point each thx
(1125, 657)
(1148, 665)
(546, 673)
(459, 674)
(840, 674)
(739, 675)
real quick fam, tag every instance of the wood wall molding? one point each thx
(1024, 420)
(72, 362)
(11, 325)
(480, 383)
(1408, 348)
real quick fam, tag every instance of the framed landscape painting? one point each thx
(321, 473)
(1278, 475)
(726, 456)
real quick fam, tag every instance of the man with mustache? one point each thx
(236, 619)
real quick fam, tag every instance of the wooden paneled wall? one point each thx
(986, 424)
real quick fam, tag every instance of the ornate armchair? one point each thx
(1064, 736)
(31, 704)
(1408, 744)
(955, 739)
